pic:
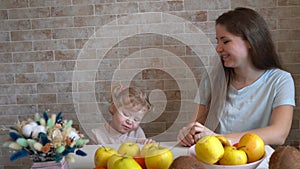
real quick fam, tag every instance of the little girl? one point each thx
(129, 105)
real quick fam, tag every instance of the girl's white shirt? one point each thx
(105, 134)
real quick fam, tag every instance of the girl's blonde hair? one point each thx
(131, 98)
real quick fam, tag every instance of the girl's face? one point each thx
(232, 49)
(124, 121)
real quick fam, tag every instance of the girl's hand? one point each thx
(146, 141)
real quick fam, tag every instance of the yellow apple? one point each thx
(253, 145)
(146, 147)
(158, 157)
(209, 149)
(112, 159)
(102, 154)
(225, 142)
(129, 149)
(126, 163)
(233, 156)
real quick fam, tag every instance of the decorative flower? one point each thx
(45, 139)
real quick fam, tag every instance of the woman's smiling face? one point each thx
(232, 49)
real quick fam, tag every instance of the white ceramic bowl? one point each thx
(252, 165)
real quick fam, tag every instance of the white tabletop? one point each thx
(87, 162)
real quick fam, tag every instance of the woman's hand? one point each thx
(185, 137)
(190, 134)
(199, 130)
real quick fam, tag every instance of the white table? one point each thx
(87, 162)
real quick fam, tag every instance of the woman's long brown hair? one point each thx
(249, 25)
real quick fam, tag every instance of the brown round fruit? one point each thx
(186, 162)
(285, 157)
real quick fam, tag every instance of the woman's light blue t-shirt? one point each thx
(251, 107)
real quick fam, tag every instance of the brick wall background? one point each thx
(66, 55)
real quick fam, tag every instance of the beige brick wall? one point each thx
(65, 55)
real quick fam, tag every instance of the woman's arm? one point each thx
(201, 113)
(278, 130)
(274, 134)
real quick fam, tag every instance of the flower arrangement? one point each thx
(45, 139)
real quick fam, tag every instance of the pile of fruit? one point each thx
(208, 149)
(218, 150)
(130, 156)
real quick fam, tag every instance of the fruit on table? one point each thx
(146, 147)
(102, 154)
(253, 145)
(158, 157)
(224, 140)
(186, 162)
(209, 149)
(286, 157)
(112, 159)
(141, 161)
(99, 168)
(129, 148)
(126, 162)
(233, 156)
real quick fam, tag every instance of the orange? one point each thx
(253, 145)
